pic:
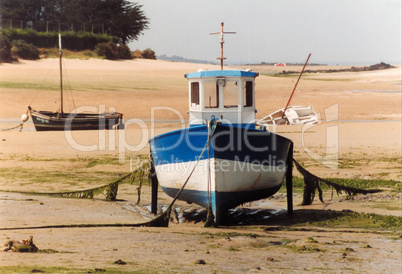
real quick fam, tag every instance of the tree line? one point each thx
(27, 44)
(119, 18)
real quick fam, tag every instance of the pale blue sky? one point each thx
(334, 31)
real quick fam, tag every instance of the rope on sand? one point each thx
(161, 220)
(11, 128)
(24, 118)
(311, 184)
(109, 190)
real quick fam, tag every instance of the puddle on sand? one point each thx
(247, 216)
(237, 216)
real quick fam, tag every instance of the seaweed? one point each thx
(109, 190)
(312, 183)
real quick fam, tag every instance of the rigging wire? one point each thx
(248, 43)
(70, 93)
(248, 37)
(43, 81)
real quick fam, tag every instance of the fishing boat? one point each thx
(60, 120)
(56, 121)
(221, 160)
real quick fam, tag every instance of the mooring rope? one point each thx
(161, 220)
(311, 184)
(20, 125)
(11, 128)
(168, 210)
(109, 190)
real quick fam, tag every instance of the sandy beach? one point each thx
(360, 124)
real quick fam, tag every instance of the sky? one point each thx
(335, 32)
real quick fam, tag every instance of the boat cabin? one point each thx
(227, 95)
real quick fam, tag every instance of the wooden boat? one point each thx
(53, 121)
(291, 115)
(221, 160)
(60, 120)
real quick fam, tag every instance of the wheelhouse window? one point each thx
(211, 95)
(230, 94)
(248, 93)
(195, 93)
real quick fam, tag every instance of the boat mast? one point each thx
(61, 76)
(291, 95)
(221, 42)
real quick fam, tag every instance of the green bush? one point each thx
(5, 49)
(124, 52)
(107, 50)
(77, 41)
(137, 54)
(148, 54)
(113, 51)
(24, 50)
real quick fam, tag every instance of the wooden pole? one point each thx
(291, 95)
(289, 178)
(154, 189)
(222, 42)
(61, 76)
